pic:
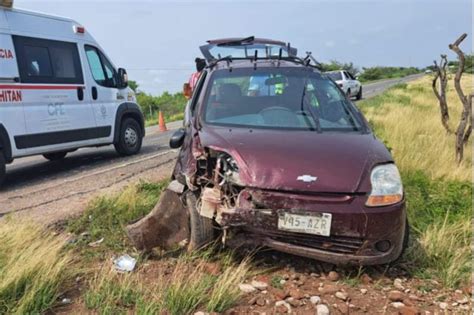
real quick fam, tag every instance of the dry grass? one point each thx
(408, 119)
(33, 268)
(182, 290)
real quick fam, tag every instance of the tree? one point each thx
(440, 73)
(464, 129)
(133, 85)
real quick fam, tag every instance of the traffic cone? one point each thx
(161, 122)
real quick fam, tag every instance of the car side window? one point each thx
(102, 70)
(48, 61)
(349, 76)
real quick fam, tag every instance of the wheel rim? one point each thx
(131, 137)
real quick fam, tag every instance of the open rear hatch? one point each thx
(245, 48)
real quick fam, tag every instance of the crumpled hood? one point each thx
(271, 159)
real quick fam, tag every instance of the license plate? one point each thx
(312, 224)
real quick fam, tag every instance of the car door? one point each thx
(57, 116)
(354, 86)
(103, 92)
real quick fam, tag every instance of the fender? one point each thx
(128, 109)
(5, 145)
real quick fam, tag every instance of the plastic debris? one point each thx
(125, 263)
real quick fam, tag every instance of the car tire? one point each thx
(359, 95)
(130, 138)
(55, 156)
(201, 229)
(348, 93)
(406, 239)
(2, 168)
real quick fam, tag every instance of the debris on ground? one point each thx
(96, 243)
(125, 263)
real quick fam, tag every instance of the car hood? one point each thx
(283, 160)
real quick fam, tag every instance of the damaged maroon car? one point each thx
(274, 154)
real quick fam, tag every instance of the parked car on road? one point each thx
(274, 154)
(59, 91)
(347, 82)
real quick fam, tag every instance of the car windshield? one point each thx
(278, 98)
(336, 76)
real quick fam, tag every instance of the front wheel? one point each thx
(201, 228)
(130, 137)
(56, 156)
(359, 95)
(348, 93)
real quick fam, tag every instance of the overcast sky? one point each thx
(157, 41)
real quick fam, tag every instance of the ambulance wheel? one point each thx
(56, 156)
(130, 138)
(2, 168)
(201, 228)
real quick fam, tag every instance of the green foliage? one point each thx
(276, 282)
(379, 73)
(106, 217)
(433, 201)
(169, 104)
(336, 65)
(133, 85)
(468, 65)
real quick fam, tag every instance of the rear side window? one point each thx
(48, 61)
(102, 70)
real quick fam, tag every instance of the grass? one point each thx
(106, 217)
(183, 290)
(438, 190)
(34, 268)
(168, 118)
(180, 290)
(407, 118)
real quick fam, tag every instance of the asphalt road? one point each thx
(50, 191)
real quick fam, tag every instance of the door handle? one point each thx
(94, 93)
(80, 93)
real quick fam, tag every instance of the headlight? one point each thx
(387, 186)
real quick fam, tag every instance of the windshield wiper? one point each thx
(316, 119)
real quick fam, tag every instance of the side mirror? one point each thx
(177, 139)
(187, 91)
(123, 78)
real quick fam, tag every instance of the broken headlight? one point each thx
(229, 168)
(387, 188)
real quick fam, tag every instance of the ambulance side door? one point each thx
(58, 117)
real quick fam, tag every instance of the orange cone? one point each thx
(161, 122)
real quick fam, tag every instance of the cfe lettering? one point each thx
(6, 54)
(10, 96)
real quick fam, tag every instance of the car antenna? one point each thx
(255, 60)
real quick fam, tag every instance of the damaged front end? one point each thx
(250, 216)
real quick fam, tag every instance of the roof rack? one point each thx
(297, 60)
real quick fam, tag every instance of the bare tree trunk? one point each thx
(441, 94)
(471, 118)
(463, 131)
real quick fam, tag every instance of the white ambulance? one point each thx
(59, 91)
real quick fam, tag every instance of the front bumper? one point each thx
(355, 228)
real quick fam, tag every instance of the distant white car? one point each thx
(346, 81)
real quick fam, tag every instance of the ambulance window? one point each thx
(47, 61)
(38, 62)
(102, 70)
